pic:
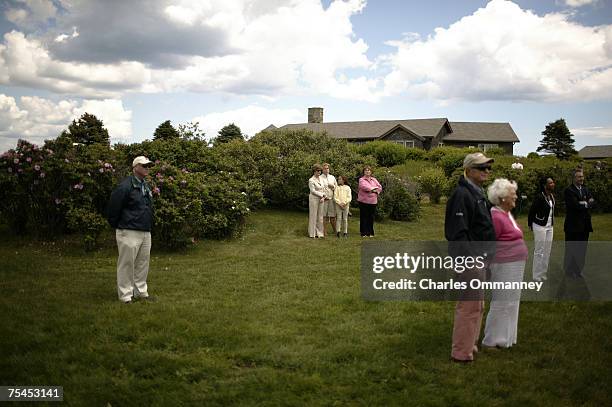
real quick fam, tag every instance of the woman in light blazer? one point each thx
(316, 200)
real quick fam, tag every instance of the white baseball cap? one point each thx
(142, 160)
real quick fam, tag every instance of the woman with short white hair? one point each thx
(508, 266)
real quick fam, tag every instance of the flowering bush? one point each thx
(190, 206)
(39, 185)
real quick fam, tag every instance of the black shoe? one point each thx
(338, 235)
(346, 235)
(149, 298)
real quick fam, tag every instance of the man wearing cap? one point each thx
(467, 222)
(130, 212)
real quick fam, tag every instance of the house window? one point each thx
(485, 147)
(405, 143)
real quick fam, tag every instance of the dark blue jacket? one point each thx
(128, 208)
(468, 220)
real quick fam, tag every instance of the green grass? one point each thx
(276, 318)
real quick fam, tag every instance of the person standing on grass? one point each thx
(329, 206)
(541, 220)
(467, 222)
(501, 326)
(130, 213)
(578, 204)
(369, 189)
(316, 200)
(342, 199)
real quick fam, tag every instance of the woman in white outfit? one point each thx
(508, 266)
(541, 221)
(316, 200)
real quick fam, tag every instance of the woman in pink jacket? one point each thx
(369, 189)
(507, 266)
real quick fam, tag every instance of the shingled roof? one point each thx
(373, 129)
(594, 152)
(424, 128)
(479, 131)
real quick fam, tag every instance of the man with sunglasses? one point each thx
(130, 212)
(467, 224)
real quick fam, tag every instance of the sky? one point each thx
(135, 64)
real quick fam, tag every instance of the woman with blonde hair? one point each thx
(508, 266)
(316, 200)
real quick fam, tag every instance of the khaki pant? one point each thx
(342, 218)
(133, 263)
(468, 317)
(315, 216)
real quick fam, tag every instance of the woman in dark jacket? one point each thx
(541, 221)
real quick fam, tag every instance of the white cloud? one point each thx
(282, 47)
(251, 119)
(599, 132)
(579, 3)
(25, 61)
(502, 52)
(37, 119)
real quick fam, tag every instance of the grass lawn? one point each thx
(276, 318)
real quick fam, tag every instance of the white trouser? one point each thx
(133, 263)
(542, 244)
(502, 320)
(315, 216)
(342, 218)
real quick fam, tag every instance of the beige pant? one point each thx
(342, 218)
(315, 216)
(133, 263)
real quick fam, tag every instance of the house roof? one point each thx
(480, 131)
(596, 151)
(424, 128)
(373, 129)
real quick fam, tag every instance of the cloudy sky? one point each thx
(137, 63)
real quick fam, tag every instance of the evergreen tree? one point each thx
(229, 133)
(87, 130)
(165, 131)
(557, 140)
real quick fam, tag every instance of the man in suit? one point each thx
(578, 203)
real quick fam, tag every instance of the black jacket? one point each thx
(468, 219)
(539, 211)
(577, 216)
(128, 208)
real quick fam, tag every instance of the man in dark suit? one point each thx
(578, 202)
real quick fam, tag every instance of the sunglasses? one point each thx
(483, 168)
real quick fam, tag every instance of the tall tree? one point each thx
(165, 131)
(557, 140)
(191, 131)
(229, 133)
(87, 130)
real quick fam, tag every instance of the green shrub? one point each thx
(387, 153)
(434, 183)
(495, 152)
(396, 201)
(285, 181)
(533, 155)
(414, 153)
(88, 223)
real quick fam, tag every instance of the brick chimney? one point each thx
(315, 115)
